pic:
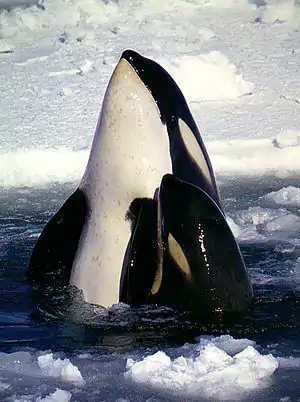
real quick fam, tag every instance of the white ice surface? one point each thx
(212, 373)
(59, 368)
(286, 196)
(29, 167)
(258, 224)
(43, 365)
(57, 396)
(56, 64)
(61, 164)
(215, 77)
(221, 368)
(278, 11)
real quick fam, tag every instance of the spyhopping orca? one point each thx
(145, 224)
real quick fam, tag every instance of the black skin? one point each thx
(219, 280)
(53, 255)
(141, 257)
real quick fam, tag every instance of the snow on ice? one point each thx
(19, 168)
(43, 365)
(257, 224)
(68, 51)
(286, 196)
(57, 396)
(217, 78)
(14, 366)
(59, 368)
(222, 368)
(212, 372)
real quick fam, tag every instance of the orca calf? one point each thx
(145, 224)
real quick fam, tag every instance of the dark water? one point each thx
(27, 320)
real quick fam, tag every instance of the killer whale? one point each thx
(114, 238)
(199, 266)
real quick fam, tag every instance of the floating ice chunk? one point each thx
(17, 362)
(212, 373)
(265, 221)
(286, 223)
(3, 385)
(205, 33)
(288, 196)
(59, 368)
(18, 367)
(84, 356)
(93, 10)
(61, 73)
(244, 224)
(250, 234)
(10, 359)
(214, 77)
(66, 91)
(254, 367)
(278, 12)
(58, 396)
(226, 343)
(24, 398)
(258, 215)
(151, 364)
(10, 4)
(285, 399)
(286, 248)
(23, 21)
(86, 67)
(29, 20)
(6, 47)
(287, 138)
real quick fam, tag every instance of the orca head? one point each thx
(202, 268)
(129, 130)
(142, 97)
(190, 160)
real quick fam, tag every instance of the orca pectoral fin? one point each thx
(52, 257)
(203, 269)
(142, 254)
